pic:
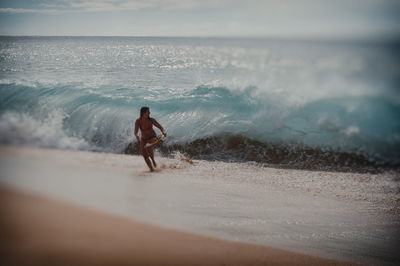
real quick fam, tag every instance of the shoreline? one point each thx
(341, 217)
(37, 230)
(235, 148)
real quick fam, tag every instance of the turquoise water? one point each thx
(292, 97)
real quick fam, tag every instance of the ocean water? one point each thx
(297, 104)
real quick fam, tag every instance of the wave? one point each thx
(22, 129)
(237, 148)
(85, 93)
(207, 122)
(364, 125)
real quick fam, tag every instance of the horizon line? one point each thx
(242, 37)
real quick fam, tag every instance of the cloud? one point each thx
(62, 6)
(276, 18)
(25, 10)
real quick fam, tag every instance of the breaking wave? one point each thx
(270, 102)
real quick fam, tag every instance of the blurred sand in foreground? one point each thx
(41, 231)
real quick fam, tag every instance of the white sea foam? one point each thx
(352, 130)
(22, 129)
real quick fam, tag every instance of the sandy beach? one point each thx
(40, 231)
(61, 207)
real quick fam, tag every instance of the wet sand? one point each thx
(37, 230)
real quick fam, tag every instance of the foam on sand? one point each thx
(344, 216)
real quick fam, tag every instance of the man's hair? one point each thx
(143, 110)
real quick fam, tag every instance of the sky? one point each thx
(205, 18)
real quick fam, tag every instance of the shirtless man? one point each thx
(145, 124)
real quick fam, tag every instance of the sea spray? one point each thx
(22, 129)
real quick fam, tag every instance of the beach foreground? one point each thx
(78, 207)
(40, 231)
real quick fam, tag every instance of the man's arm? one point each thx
(137, 130)
(159, 126)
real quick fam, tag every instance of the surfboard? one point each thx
(157, 140)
